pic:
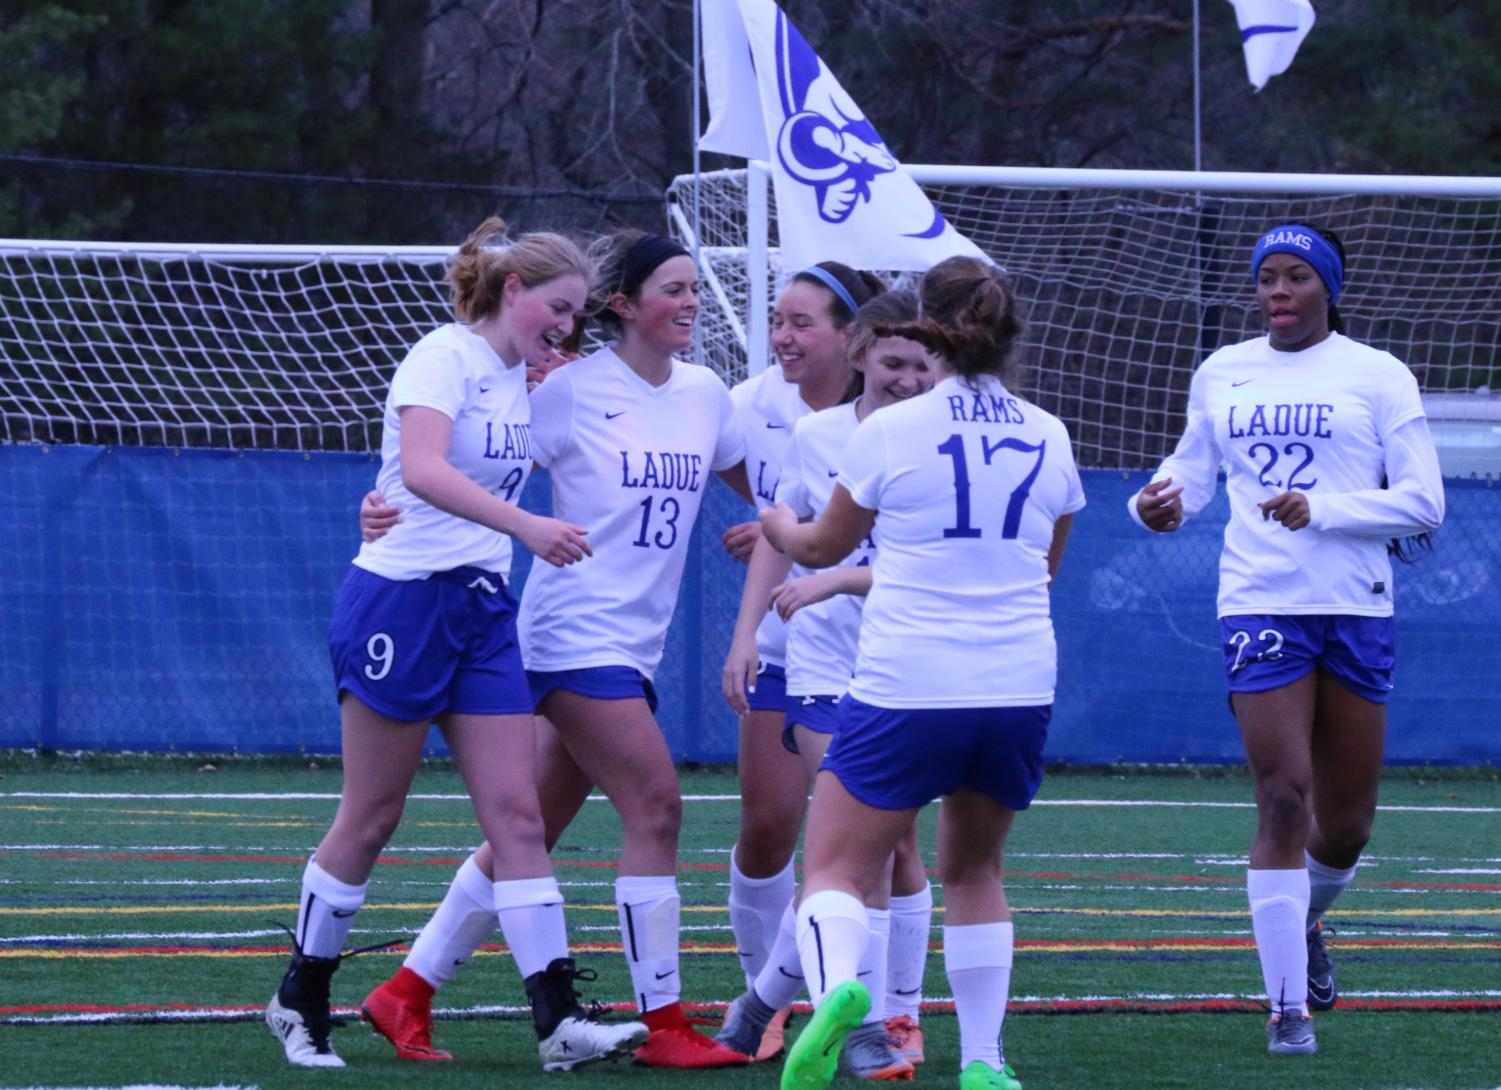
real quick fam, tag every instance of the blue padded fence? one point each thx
(163, 600)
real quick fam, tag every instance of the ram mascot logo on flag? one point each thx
(826, 141)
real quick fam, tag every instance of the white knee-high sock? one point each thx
(872, 971)
(1325, 884)
(531, 915)
(756, 906)
(650, 911)
(1279, 913)
(326, 912)
(907, 954)
(977, 958)
(465, 918)
(832, 933)
(781, 978)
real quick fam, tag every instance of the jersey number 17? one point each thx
(953, 446)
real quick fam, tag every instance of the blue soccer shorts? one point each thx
(900, 759)
(1267, 651)
(412, 649)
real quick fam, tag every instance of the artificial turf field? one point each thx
(138, 946)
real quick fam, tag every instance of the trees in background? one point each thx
(408, 120)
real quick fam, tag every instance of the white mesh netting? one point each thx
(1126, 291)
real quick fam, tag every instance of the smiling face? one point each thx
(661, 316)
(895, 369)
(807, 343)
(532, 321)
(1293, 301)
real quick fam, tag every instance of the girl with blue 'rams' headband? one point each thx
(1327, 456)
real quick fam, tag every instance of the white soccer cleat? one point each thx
(581, 1040)
(305, 1041)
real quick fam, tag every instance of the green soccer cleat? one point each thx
(979, 1075)
(814, 1056)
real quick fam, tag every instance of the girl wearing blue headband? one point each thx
(810, 327)
(1326, 454)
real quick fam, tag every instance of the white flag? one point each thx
(841, 195)
(1270, 33)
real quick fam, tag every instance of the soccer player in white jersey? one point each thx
(809, 329)
(974, 491)
(823, 614)
(629, 436)
(424, 629)
(1327, 455)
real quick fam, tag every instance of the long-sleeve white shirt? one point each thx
(1331, 421)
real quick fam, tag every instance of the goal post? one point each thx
(1130, 278)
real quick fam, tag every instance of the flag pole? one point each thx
(698, 181)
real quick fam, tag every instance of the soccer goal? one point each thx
(1130, 278)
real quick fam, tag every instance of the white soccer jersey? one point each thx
(822, 639)
(457, 373)
(1330, 421)
(629, 462)
(768, 406)
(967, 482)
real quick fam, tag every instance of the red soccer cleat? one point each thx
(673, 1042)
(906, 1038)
(400, 1010)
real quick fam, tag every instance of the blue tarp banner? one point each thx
(156, 599)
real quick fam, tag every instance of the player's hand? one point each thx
(555, 541)
(1290, 509)
(1161, 506)
(741, 666)
(776, 523)
(538, 370)
(376, 518)
(739, 541)
(796, 594)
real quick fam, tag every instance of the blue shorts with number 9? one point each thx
(412, 649)
(1267, 651)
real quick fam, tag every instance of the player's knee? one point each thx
(658, 814)
(765, 845)
(1284, 810)
(513, 821)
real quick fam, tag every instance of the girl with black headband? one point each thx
(1327, 455)
(629, 436)
(809, 332)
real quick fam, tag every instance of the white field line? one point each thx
(270, 796)
(482, 1010)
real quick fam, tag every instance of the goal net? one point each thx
(1130, 279)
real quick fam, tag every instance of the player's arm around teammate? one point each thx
(456, 450)
(812, 372)
(824, 610)
(954, 685)
(629, 436)
(1327, 456)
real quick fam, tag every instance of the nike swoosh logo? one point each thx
(344, 914)
(664, 976)
(484, 389)
(833, 473)
(612, 416)
(1242, 382)
(769, 424)
(789, 976)
(906, 991)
